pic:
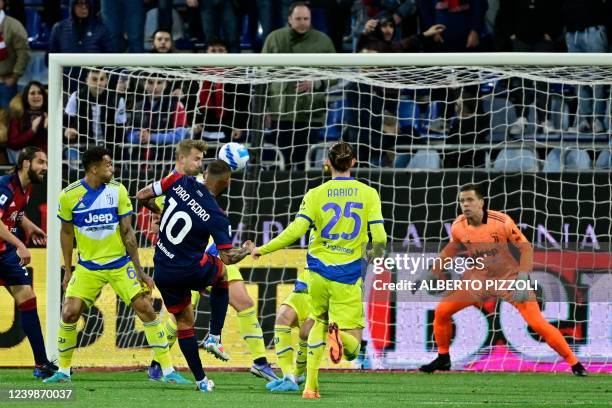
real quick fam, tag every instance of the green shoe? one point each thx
(175, 378)
(58, 378)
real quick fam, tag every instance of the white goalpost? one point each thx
(525, 125)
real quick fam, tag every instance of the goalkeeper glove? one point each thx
(521, 295)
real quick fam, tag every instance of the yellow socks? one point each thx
(170, 332)
(66, 343)
(316, 347)
(284, 349)
(300, 360)
(251, 332)
(156, 337)
(351, 345)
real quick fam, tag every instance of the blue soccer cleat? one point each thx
(273, 384)
(286, 385)
(300, 380)
(206, 385)
(263, 371)
(175, 378)
(58, 378)
(213, 345)
(155, 371)
(44, 370)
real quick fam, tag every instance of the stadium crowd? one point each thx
(103, 107)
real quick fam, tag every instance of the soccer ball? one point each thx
(235, 155)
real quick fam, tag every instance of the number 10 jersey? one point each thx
(190, 217)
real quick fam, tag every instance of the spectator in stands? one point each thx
(158, 118)
(469, 128)
(219, 17)
(296, 110)
(584, 22)
(530, 26)
(29, 122)
(223, 109)
(14, 55)
(162, 42)
(81, 32)
(94, 115)
(371, 117)
(383, 29)
(125, 17)
(463, 19)
(402, 12)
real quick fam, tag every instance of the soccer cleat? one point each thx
(44, 370)
(58, 378)
(263, 371)
(310, 394)
(335, 343)
(579, 370)
(206, 385)
(213, 345)
(155, 371)
(175, 378)
(273, 384)
(286, 385)
(300, 379)
(441, 363)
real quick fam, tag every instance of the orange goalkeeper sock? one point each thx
(553, 337)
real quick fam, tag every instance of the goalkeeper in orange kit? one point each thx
(490, 237)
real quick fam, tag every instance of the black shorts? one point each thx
(175, 285)
(11, 272)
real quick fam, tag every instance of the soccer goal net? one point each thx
(532, 130)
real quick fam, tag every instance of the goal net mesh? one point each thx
(535, 138)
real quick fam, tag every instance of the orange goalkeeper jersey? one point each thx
(497, 241)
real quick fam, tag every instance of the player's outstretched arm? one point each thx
(235, 255)
(146, 197)
(131, 245)
(67, 244)
(292, 233)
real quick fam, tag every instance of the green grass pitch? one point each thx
(132, 389)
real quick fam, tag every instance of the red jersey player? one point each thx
(491, 236)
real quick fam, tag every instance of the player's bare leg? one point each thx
(67, 337)
(250, 329)
(156, 337)
(25, 299)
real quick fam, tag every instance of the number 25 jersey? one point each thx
(340, 212)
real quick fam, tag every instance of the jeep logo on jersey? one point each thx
(102, 218)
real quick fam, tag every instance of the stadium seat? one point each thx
(425, 159)
(553, 161)
(408, 114)
(604, 160)
(503, 115)
(36, 70)
(516, 160)
(576, 159)
(335, 119)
